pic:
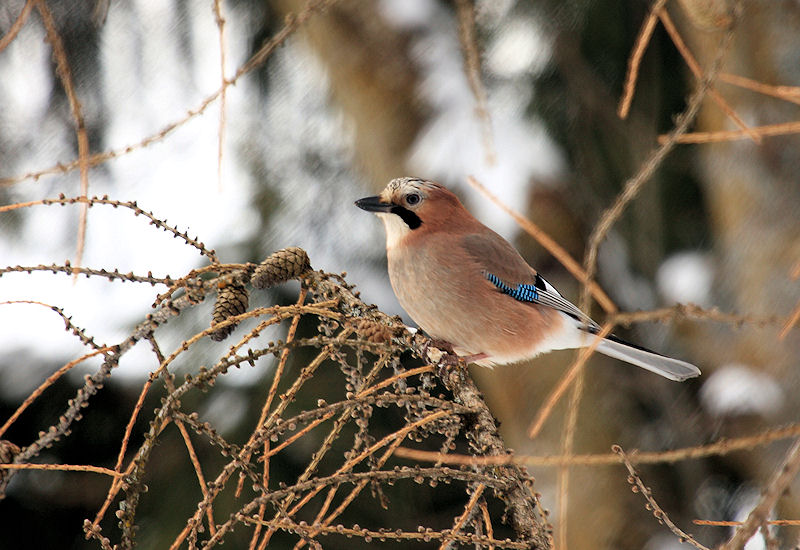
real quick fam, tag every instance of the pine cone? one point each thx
(8, 451)
(280, 266)
(232, 299)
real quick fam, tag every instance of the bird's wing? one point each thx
(502, 265)
(504, 268)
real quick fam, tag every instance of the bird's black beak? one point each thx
(374, 204)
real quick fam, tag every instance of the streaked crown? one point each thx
(400, 190)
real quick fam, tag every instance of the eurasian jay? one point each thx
(464, 284)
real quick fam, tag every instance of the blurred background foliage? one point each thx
(365, 91)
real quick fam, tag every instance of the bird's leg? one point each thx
(452, 357)
(473, 357)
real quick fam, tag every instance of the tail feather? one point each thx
(667, 367)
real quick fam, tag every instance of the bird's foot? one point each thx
(442, 354)
(440, 351)
(436, 351)
(473, 357)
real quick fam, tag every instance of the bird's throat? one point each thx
(396, 228)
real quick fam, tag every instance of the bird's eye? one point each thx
(413, 199)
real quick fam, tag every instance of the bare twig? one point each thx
(770, 130)
(220, 21)
(654, 160)
(717, 523)
(472, 66)
(638, 486)
(787, 93)
(569, 377)
(15, 27)
(65, 75)
(694, 66)
(776, 487)
(132, 205)
(62, 467)
(567, 443)
(468, 510)
(635, 59)
(718, 448)
(549, 244)
(267, 49)
(46, 384)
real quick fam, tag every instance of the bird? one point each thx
(466, 286)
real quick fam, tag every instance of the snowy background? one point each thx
(290, 172)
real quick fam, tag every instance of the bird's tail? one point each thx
(667, 367)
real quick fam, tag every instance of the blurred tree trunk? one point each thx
(372, 79)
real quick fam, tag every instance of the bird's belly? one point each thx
(458, 307)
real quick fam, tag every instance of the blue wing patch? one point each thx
(541, 292)
(523, 292)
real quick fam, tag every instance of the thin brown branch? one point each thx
(65, 76)
(717, 523)
(468, 509)
(69, 326)
(566, 381)
(201, 480)
(115, 488)
(718, 448)
(635, 59)
(268, 452)
(770, 130)
(220, 21)
(567, 444)
(793, 319)
(776, 487)
(17, 25)
(46, 384)
(795, 274)
(487, 521)
(87, 271)
(292, 24)
(638, 486)
(472, 66)
(265, 410)
(132, 205)
(787, 93)
(655, 159)
(393, 379)
(549, 244)
(697, 71)
(63, 467)
(198, 469)
(424, 536)
(692, 311)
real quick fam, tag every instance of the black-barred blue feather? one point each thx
(543, 293)
(523, 292)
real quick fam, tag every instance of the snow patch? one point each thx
(686, 277)
(738, 390)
